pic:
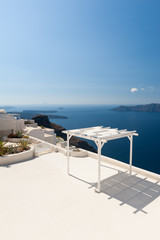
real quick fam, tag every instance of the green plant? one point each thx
(77, 150)
(10, 149)
(27, 122)
(24, 144)
(25, 136)
(19, 134)
(2, 148)
(42, 127)
(59, 139)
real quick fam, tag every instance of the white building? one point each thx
(45, 134)
(9, 123)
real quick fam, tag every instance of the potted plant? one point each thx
(16, 137)
(77, 152)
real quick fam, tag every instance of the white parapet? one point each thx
(36, 132)
(17, 157)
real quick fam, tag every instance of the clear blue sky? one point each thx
(79, 51)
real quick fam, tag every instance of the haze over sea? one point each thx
(146, 147)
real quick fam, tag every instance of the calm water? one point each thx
(146, 147)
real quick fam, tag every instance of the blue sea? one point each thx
(146, 146)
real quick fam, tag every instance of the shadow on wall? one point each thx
(131, 190)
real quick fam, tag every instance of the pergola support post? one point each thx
(68, 138)
(99, 146)
(130, 156)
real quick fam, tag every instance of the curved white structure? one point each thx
(17, 157)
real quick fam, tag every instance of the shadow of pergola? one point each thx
(131, 190)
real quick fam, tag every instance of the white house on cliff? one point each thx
(10, 124)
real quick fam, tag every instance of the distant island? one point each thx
(40, 111)
(6, 107)
(153, 107)
(28, 114)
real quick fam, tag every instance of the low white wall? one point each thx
(37, 133)
(17, 157)
(50, 138)
(125, 166)
(48, 130)
(55, 148)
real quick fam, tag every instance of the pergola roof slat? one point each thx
(100, 133)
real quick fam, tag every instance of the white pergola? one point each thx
(100, 135)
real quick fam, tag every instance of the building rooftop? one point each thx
(40, 201)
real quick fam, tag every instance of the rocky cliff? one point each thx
(42, 120)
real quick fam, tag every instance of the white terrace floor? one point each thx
(38, 201)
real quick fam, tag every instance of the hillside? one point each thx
(153, 107)
(42, 120)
